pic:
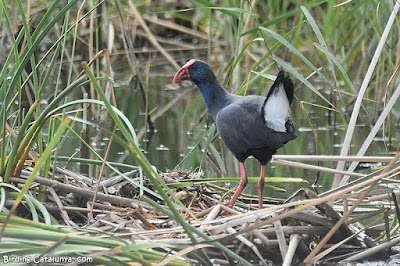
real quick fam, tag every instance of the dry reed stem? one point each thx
(281, 238)
(382, 197)
(84, 150)
(330, 249)
(310, 258)
(384, 159)
(373, 132)
(87, 193)
(64, 213)
(313, 167)
(358, 181)
(294, 242)
(364, 85)
(62, 171)
(239, 220)
(262, 237)
(185, 251)
(150, 35)
(248, 243)
(128, 43)
(387, 226)
(116, 179)
(371, 251)
(109, 94)
(79, 209)
(211, 216)
(91, 55)
(305, 204)
(368, 215)
(176, 27)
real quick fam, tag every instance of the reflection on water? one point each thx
(181, 120)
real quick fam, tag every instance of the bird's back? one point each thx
(256, 125)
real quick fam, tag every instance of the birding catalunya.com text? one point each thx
(45, 259)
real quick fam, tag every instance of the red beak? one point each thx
(183, 73)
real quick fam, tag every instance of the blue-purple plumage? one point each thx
(241, 120)
(248, 125)
(242, 128)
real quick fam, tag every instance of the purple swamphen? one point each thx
(248, 125)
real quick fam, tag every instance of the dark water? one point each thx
(178, 128)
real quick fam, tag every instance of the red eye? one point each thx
(193, 67)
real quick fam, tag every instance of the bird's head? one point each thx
(194, 70)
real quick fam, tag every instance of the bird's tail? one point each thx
(284, 79)
(276, 107)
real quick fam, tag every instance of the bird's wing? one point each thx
(242, 126)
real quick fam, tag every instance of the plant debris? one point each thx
(292, 229)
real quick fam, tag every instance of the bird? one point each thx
(248, 125)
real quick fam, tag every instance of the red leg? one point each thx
(260, 186)
(242, 185)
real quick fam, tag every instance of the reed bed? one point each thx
(357, 227)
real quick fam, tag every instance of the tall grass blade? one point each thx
(328, 54)
(208, 142)
(291, 48)
(46, 154)
(27, 238)
(320, 38)
(13, 156)
(29, 52)
(284, 17)
(26, 139)
(300, 77)
(157, 182)
(220, 161)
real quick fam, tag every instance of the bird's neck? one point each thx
(215, 96)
